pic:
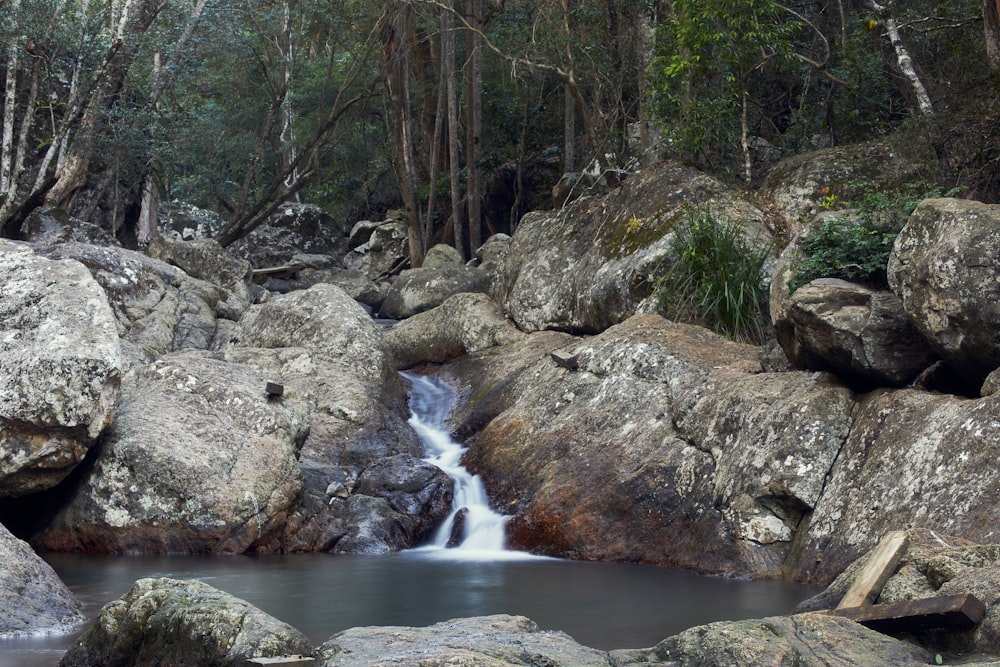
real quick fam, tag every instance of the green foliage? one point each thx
(856, 246)
(709, 56)
(715, 278)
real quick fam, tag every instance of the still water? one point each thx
(601, 605)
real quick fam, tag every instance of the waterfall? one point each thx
(480, 530)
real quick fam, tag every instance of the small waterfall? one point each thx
(478, 530)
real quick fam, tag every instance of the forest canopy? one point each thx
(462, 110)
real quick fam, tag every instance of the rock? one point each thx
(491, 253)
(912, 459)
(361, 233)
(861, 334)
(800, 184)
(463, 324)
(387, 249)
(945, 268)
(198, 460)
(640, 453)
(322, 318)
(293, 230)
(330, 354)
(441, 256)
(181, 221)
(166, 621)
(773, 439)
(806, 639)
(34, 600)
(573, 185)
(991, 384)
(418, 290)
(357, 286)
(412, 487)
(205, 259)
(584, 268)
(457, 534)
(465, 642)
(48, 226)
(158, 308)
(62, 365)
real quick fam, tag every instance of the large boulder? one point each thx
(417, 290)
(185, 222)
(171, 622)
(591, 265)
(50, 225)
(62, 364)
(807, 639)
(158, 307)
(385, 250)
(493, 641)
(803, 185)
(328, 352)
(205, 259)
(198, 461)
(294, 229)
(945, 268)
(33, 598)
(463, 324)
(412, 487)
(634, 445)
(913, 459)
(859, 333)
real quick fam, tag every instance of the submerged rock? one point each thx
(33, 599)
(171, 622)
(494, 641)
(61, 367)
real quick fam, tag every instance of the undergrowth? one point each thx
(856, 246)
(715, 278)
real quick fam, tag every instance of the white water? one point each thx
(431, 402)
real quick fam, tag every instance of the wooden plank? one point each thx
(565, 359)
(875, 573)
(949, 611)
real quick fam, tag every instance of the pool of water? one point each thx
(602, 605)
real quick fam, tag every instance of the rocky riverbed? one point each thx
(136, 419)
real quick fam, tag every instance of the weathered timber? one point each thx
(274, 390)
(284, 661)
(284, 272)
(876, 572)
(947, 611)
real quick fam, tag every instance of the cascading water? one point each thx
(482, 531)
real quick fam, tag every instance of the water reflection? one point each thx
(600, 605)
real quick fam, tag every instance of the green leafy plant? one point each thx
(715, 278)
(856, 246)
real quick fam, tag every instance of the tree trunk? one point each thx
(134, 21)
(147, 225)
(903, 58)
(396, 41)
(9, 102)
(474, 110)
(454, 155)
(991, 27)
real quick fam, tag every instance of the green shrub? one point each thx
(856, 246)
(715, 278)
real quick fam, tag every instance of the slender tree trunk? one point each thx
(991, 27)
(287, 62)
(474, 109)
(569, 102)
(454, 155)
(396, 40)
(7, 184)
(147, 226)
(134, 21)
(903, 58)
(440, 112)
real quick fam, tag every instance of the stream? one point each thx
(602, 605)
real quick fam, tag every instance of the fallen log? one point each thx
(947, 611)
